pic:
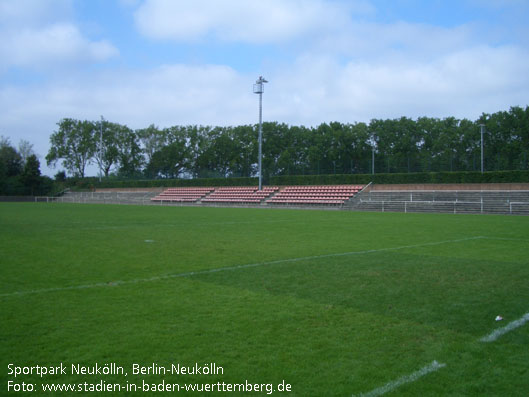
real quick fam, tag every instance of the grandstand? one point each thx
(183, 194)
(241, 195)
(271, 195)
(327, 194)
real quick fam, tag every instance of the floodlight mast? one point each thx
(258, 88)
(373, 159)
(101, 149)
(482, 128)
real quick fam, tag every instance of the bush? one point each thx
(405, 178)
(80, 184)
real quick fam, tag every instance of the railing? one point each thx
(481, 207)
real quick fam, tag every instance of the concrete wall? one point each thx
(452, 186)
(132, 189)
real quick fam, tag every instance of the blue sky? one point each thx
(169, 62)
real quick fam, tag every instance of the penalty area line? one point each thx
(235, 267)
(388, 387)
(508, 328)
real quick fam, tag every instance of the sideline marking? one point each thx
(506, 239)
(508, 328)
(432, 367)
(236, 267)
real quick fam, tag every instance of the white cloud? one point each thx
(248, 21)
(54, 44)
(376, 41)
(166, 96)
(464, 83)
(20, 14)
(36, 34)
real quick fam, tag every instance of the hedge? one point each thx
(405, 178)
(338, 179)
(89, 183)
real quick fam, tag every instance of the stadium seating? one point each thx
(289, 195)
(326, 194)
(241, 195)
(183, 194)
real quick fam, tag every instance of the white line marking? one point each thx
(506, 239)
(432, 367)
(236, 267)
(508, 328)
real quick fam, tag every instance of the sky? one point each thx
(181, 62)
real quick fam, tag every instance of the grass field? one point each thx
(332, 303)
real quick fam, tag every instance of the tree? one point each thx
(360, 148)
(246, 149)
(129, 153)
(219, 154)
(506, 139)
(198, 142)
(293, 158)
(402, 145)
(18, 178)
(275, 136)
(73, 143)
(31, 175)
(25, 149)
(60, 176)
(152, 140)
(105, 136)
(168, 162)
(10, 159)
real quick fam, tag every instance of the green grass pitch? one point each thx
(332, 303)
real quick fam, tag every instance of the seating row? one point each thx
(183, 194)
(232, 200)
(332, 194)
(187, 189)
(243, 195)
(304, 201)
(325, 187)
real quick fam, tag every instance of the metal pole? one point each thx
(260, 139)
(482, 128)
(101, 149)
(258, 88)
(373, 160)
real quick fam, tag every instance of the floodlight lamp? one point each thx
(258, 87)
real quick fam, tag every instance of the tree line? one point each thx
(396, 145)
(20, 170)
